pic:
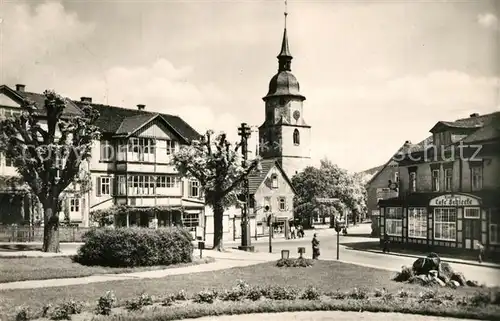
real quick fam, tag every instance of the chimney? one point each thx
(407, 143)
(20, 87)
(86, 99)
(474, 115)
(141, 107)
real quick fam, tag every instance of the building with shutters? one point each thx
(449, 189)
(129, 168)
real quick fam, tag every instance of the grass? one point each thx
(326, 276)
(44, 268)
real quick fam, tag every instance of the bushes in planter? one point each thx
(130, 247)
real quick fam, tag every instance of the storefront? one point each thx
(430, 221)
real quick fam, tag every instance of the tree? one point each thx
(49, 150)
(219, 169)
(328, 181)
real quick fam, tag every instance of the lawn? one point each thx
(326, 276)
(43, 268)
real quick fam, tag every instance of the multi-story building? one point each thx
(449, 193)
(129, 167)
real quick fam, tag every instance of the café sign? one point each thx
(454, 200)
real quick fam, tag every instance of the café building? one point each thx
(448, 200)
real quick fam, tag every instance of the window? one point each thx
(296, 137)
(105, 185)
(74, 205)
(8, 162)
(413, 182)
(448, 179)
(191, 220)
(282, 203)
(142, 149)
(417, 222)
(274, 181)
(107, 151)
(394, 221)
(396, 177)
(141, 185)
(476, 178)
(495, 226)
(194, 189)
(472, 212)
(445, 224)
(435, 180)
(170, 147)
(122, 185)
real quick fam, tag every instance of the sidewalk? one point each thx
(224, 260)
(443, 259)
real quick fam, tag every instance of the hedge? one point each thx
(131, 247)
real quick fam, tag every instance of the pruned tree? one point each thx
(218, 166)
(49, 149)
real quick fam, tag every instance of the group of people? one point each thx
(296, 231)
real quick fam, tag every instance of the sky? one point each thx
(375, 73)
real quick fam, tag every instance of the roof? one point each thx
(256, 178)
(119, 120)
(39, 100)
(476, 127)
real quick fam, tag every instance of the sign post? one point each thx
(339, 225)
(269, 223)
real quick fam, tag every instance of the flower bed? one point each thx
(244, 298)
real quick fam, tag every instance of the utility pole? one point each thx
(245, 131)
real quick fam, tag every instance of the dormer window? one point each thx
(274, 181)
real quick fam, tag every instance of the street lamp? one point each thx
(245, 131)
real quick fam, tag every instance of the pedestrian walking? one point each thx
(315, 247)
(480, 248)
(386, 243)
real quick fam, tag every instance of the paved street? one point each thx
(328, 246)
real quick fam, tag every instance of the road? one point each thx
(328, 247)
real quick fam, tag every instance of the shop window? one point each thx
(417, 222)
(445, 224)
(495, 226)
(394, 221)
(472, 212)
(191, 221)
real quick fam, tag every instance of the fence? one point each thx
(10, 233)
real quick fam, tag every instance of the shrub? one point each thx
(357, 294)
(237, 293)
(283, 293)
(23, 313)
(297, 262)
(106, 303)
(379, 293)
(337, 295)
(311, 293)
(479, 298)
(405, 274)
(207, 296)
(403, 294)
(130, 247)
(181, 296)
(45, 310)
(427, 295)
(254, 294)
(139, 302)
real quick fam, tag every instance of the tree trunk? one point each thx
(51, 228)
(218, 225)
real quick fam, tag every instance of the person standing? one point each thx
(315, 247)
(386, 243)
(480, 248)
(292, 232)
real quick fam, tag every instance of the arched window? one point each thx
(274, 181)
(296, 137)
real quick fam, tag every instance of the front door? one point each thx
(472, 233)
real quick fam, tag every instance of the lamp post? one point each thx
(269, 224)
(245, 131)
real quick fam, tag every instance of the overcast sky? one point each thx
(375, 73)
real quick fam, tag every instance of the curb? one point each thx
(447, 260)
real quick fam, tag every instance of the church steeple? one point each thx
(285, 57)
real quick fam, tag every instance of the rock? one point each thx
(459, 277)
(455, 283)
(472, 283)
(438, 281)
(452, 284)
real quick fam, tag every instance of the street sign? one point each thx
(326, 200)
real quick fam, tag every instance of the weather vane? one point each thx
(286, 11)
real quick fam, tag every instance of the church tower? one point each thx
(284, 135)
